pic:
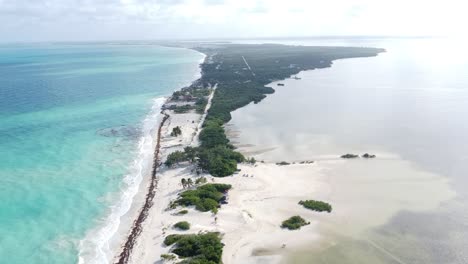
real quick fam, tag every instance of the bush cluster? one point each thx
(318, 206)
(182, 225)
(294, 222)
(176, 131)
(198, 249)
(205, 198)
(182, 212)
(217, 159)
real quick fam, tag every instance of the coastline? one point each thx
(142, 205)
(387, 186)
(137, 226)
(120, 223)
(243, 214)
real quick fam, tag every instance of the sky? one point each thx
(89, 20)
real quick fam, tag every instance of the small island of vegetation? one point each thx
(368, 156)
(205, 198)
(176, 131)
(318, 206)
(197, 249)
(212, 156)
(294, 222)
(349, 156)
(182, 212)
(182, 225)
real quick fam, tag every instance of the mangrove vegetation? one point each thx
(294, 222)
(197, 249)
(317, 206)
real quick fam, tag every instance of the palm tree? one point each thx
(189, 182)
(184, 182)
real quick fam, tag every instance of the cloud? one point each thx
(121, 19)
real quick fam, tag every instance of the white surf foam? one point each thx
(94, 248)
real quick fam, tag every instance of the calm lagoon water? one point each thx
(408, 105)
(72, 122)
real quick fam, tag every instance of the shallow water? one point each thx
(71, 120)
(408, 106)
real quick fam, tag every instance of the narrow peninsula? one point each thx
(204, 199)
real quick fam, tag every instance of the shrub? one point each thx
(175, 158)
(168, 257)
(205, 198)
(318, 206)
(349, 156)
(237, 88)
(201, 248)
(295, 222)
(171, 239)
(219, 161)
(183, 109)
(251, 161)
(213, 135)
(182, 212)
(182, 225)
(176, 131)
(201, 180)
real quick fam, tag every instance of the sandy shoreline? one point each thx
(250, 221)
(257, 204)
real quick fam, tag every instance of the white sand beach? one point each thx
(265, 194)
(262, 196)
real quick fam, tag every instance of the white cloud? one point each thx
(150, 19)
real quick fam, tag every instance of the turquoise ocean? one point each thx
(76, 127)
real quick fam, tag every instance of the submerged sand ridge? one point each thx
(366, 194)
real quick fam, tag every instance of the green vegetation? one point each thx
(197, 249)
(205, 198)
(190, 154)
(193, 93)
(186, 183)
(182, 212)
(168, 257)
(176, 131)
(200, 105)
(295, 222)
(201, 180)
(318, 206)
(238, 86)
(251, 161)
(368, 156)
(183, 109)
(349, 156)
(183, 225)
(175, 158)
(213, 135)
(219, 161)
